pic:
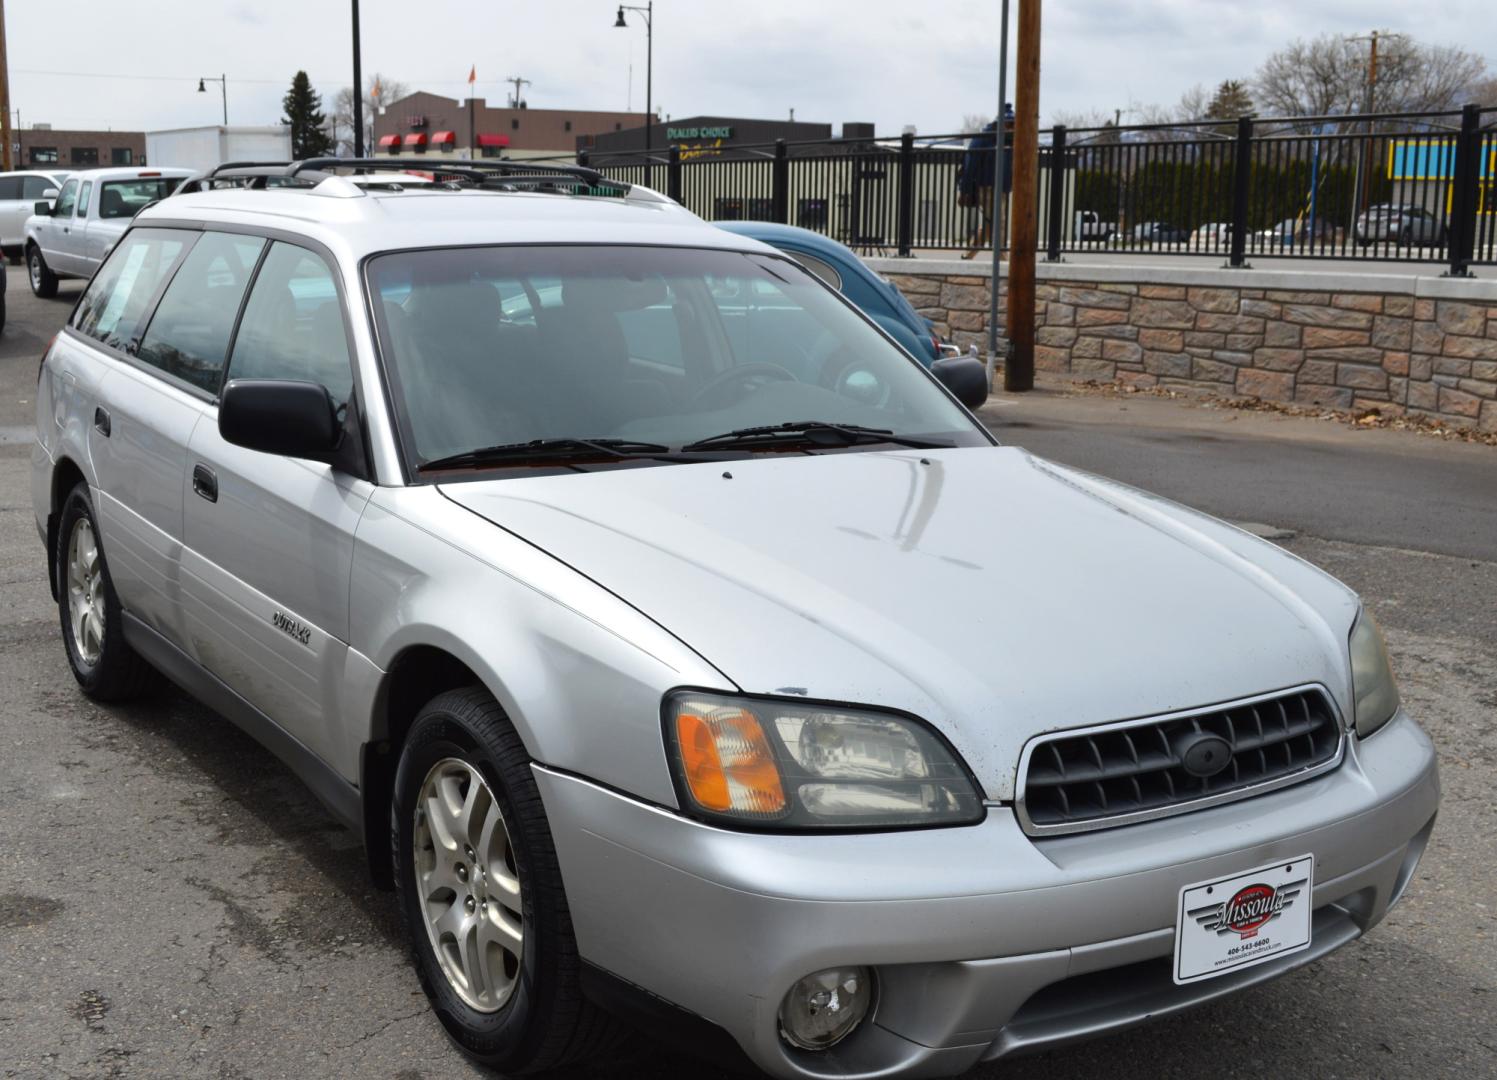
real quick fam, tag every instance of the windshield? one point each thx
(502, 345)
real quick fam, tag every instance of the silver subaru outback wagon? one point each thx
(687, 655)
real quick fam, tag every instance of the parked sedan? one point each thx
(71, 235)
(1301, 231)
(838, 266)
(1405, 226)
(1159, 232)
(19, 194)
(1211, 235)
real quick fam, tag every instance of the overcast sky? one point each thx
(135, 63)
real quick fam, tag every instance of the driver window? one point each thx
(65, 199)
(292, 326)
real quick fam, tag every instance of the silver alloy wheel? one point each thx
(85, 592)
(34, 265)
(468, 884)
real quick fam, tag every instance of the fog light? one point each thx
(822, 1009)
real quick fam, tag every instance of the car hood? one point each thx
(995, 594)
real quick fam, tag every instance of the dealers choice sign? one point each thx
(683, 134)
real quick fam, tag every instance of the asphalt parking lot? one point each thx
(174, 904)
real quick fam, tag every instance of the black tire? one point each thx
(43, 281)
(118, 673)
(546, 1023)
(2, 312)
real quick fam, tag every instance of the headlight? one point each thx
(1373, 688)
(787, 765)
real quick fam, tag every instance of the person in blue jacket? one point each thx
(974, 181)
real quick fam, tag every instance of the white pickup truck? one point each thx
(68, 237)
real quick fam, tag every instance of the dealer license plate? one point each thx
(1236, 922)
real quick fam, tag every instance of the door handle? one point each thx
(101, 421)
(205, 483)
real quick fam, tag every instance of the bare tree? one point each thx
(1329, 75)
(340, 122)
(972, 123)
(1194, 103)
(1440, 77)
(1483, 92)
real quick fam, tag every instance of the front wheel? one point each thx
(481, 894)
(43, 281)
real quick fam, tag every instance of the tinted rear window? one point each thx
(125, 198)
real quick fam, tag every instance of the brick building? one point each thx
(38, 145)
(423, 123)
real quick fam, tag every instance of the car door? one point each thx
(49, 229)
(269, 539)
(13, 211)
(67, 232)
(136, 422)
(77, 233)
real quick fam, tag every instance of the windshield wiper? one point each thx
(561, 449)
(815, 432)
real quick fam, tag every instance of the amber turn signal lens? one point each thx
(727, 761)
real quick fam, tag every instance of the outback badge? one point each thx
(292, 627)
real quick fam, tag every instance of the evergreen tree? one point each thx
(304, 117)
(1230, 102)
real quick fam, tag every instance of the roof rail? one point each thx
(503, 173)
(476, 170)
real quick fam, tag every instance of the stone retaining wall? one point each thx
(1357, 341)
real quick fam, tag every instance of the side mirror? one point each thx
(44, 206)
(965, 376)
(275, 416)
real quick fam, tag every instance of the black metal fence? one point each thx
(1409, 187)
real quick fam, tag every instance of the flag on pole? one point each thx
(374, 93)
(472, 76)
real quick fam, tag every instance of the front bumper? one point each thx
(985, 942)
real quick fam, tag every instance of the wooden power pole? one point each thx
(1018, 371)
(7, 163)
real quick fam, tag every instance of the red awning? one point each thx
(416, 138)
(389, 140)
(439, 137)
(493, 140)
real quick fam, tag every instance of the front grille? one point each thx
(1076, 781)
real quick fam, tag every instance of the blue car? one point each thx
(836, 265)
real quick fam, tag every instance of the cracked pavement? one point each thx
(174, 904)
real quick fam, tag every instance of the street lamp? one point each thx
(223, 84)
(648, 11)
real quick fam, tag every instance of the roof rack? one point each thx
(502, 173)
(475, 170)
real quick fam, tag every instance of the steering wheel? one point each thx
(747, 377)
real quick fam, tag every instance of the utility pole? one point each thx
(6, 161)
(1363, 188)
(515, 101)
(1018, 372)
(1000, 197)
(358, 89)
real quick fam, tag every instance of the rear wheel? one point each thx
(481, 893)
(43, 281)
(103, 662)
